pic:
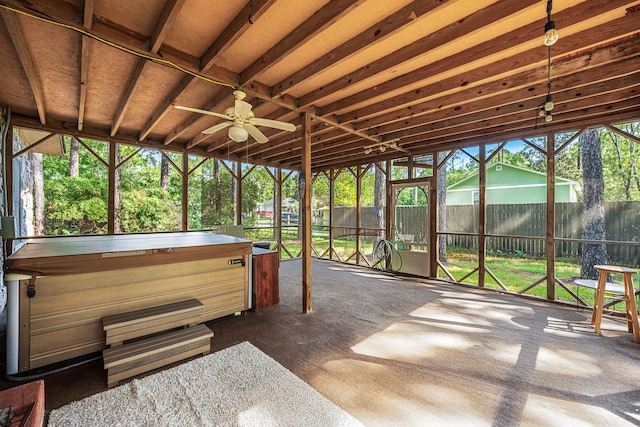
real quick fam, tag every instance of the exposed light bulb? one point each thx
(542, 112)
(548, 118)
(548, 103)
(550, 33)
(383, 148)
(238, 133)
(367, 151)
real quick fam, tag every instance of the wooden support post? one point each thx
(238, 193)
(8, 191)
(482, 215)
(111, 203)
(433, 204)
(358, 194)
(332, 188)
(277, 209)
(185, 191)
(388, 227)
(551, 208)
(8, 170)
(305, 203)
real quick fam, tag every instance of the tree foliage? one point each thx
(151, 189)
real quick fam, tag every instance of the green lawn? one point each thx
(515, 272)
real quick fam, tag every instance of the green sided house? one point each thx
(508, 184)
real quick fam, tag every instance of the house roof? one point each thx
(425, 74)
(493, 166)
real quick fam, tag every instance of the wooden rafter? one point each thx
(252, 12)
(374, 34)
(391, 61)
(160, 32)
(14, 27)
(320, 20)
(87, 22)
(357, 93)
(523, 80)
(205, 63)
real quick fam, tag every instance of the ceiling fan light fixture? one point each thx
(550, 33)
(238, 133)
(548, 103)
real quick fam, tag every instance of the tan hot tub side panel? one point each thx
(64, 319)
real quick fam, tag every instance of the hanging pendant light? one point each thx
(550, 37)
(548, 103)
(550, 32)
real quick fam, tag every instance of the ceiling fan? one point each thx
(240, 120)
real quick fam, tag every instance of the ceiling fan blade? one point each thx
(242, 109)
(216, 128)
(255, 133)
(197, 110)
(274, 124)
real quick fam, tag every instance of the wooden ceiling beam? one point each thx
(508, 111)
(621, 99)
(562, 68)
(450, 33)
(614, 100)
(158, 36)
(328, 15)
(523, 121)
(573, 80)
(60, 11)
(284, 151)
(87, 22)
(317, 129)
(578, 86)
(525, 129)
(374, 34)
(452, 106)
(163, 25)
(16, 32)
(100, 134)
(240, 24)
(252, 11)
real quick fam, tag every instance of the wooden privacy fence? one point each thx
(622, 224)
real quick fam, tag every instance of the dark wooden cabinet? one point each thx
(266, 278)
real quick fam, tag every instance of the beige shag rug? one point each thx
(238, 386)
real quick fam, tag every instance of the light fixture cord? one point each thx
(548, 70)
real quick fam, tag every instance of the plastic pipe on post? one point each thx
(13, 319)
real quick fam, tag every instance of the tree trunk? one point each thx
(379, 194)
(593, 227)
(164, 173)
(38, 195)
(442, 208)
(74, 169)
